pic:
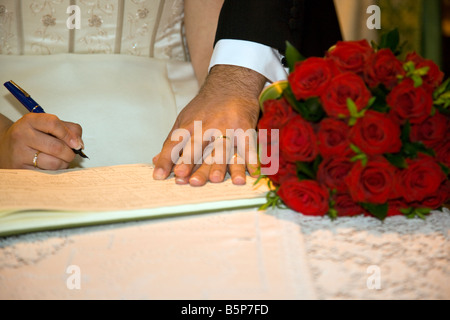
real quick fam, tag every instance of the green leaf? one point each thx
(445, 86)
(316, 164)
(407, 211)
(333, 214)
(355, 149)
(352, 122)
(371, 101)
(381, 107)
(412, 149)
(445, 169)
(273, 200)
(378, 210)
(292, 56)
(363, 157)
(310, 110)
(412, 213)
(406, 132)
(390, 40)
(417, 80)
(422, 71)
(315, 110)
(397, 160)
(304, 170)
(409, 67)
(379, 104)
(352, 108)
(443, 100)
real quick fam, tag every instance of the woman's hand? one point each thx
(38, 141)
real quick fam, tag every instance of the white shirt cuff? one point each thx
(251, 55)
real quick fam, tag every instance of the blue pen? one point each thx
(30, 104)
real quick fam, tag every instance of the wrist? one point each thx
(234, 81)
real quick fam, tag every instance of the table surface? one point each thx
(243, 254)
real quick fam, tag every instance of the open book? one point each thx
(41, 200)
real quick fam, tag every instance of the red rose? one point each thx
(410, 103)
(286, 171)
(434, 76)
(345, 205)
(306, 197)
(376, 134)
(443, 151)
(298, 141)
(333, 137)
(351, 56)
(344, 86)
(383, 67)
(311, 77)
(276, 114)
(395, 206)
(432, 131)
(372, 183)
(421, 179)
(332, 172)
(436, 200)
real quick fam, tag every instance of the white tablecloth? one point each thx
(233, 255)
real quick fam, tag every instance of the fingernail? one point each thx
(238, 180)
(81, 143)
(76, 144)
(195, 181)
(179, 180)
(159, 174)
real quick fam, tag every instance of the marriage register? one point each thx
(40, 200)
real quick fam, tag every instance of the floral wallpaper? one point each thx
(138, 27)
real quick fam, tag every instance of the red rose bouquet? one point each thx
(361, 131)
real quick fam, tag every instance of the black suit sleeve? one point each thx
(310, 25)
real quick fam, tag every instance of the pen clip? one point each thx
(23, 91)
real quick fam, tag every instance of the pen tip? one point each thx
(81, 153)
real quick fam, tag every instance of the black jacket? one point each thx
(310, 25)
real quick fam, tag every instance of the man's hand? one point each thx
(44, 134)
(227, 101)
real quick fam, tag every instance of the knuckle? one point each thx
(16, 135)
(78, 128)
(55, 147)
(54, 163)
(51, 122)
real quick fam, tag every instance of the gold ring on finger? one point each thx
(35, 159)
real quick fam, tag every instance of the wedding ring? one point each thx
(35, 164)
(222, 137)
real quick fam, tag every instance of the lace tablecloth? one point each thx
(234, 255)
